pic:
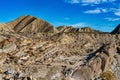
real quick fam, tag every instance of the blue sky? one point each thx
(102, 15)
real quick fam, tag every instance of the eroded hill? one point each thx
(32, 49)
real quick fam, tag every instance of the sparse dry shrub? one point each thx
(1, 71)
(108, 75)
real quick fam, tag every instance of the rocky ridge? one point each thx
(67, 29)
(32, 49)
(31, 24)
(116, 30)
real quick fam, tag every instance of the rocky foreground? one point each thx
(32, 49)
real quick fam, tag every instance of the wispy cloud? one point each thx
(94, 2)
(96, 11)
(72, 1)
(112, 19)
(117, 12)
(80, 24)
(89, 2)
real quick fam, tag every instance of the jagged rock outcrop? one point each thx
(97, 63)
(72, 29)
(59, 59)
(116, 30)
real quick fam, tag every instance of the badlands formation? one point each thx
(33, 49)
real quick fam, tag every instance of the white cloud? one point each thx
(112, 19)
(93, 1)
(116, 12)
(89, 2)
(96, 11)
(81, 24)
(72, 1)
(104, 10)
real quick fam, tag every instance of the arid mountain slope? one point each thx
(30, 24)
(43, 52)
(4, 28)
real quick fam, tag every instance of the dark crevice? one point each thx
(90, 56)
(15, 27)
(46, 25)
(27, 23)
(48, 28)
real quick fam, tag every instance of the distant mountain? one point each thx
(73, 29)
(30, 24)
(116, 30)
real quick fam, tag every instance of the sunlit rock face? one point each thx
(32, 49)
